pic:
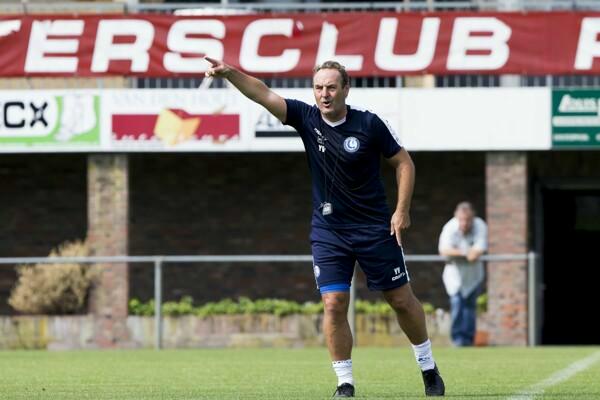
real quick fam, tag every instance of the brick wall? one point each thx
(507, 193)
(260, 204)
(218, 204)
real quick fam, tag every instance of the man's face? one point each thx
(465, 221)
(329, 94)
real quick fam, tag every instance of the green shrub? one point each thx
(183, 307)
(311, 308)
(136, 307)
(482, 303)
(245, 305)
(54, 288)
(373, 308)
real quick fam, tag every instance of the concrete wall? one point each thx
(78, 332)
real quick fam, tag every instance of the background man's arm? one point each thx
(405, 180)
(480, 245)
(250, 87)
(472, 254)
(452, 252)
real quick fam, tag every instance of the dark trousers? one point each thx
(463, 311)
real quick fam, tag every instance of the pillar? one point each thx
(107, 236)
(506, 203)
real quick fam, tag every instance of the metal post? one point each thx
(531, 299)
(352, 308)
(158, 303)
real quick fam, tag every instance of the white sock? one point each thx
(424, 355)
(343, 370)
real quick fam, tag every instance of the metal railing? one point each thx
(32, 6)
(159, 261)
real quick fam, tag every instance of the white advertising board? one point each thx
(475, 119)
(217, 120)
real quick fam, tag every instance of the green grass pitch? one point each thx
(380, 373)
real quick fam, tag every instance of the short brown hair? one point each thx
(337, 66)
(465, 206)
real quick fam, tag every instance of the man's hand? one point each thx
(400, 220)
(252, 88)
(218, 69)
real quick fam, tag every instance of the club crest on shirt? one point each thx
(351, 144)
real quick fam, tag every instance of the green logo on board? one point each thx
(575, 118)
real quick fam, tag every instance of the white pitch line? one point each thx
(557, 378)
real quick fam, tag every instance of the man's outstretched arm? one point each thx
(250, 87)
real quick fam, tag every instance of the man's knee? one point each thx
(400, 304)
(401, 300)
(336, 303)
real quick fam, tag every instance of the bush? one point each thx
(482, 303)
(376, 308)
(136, 307)
(246, 306)
(226, 307)
(54, 288)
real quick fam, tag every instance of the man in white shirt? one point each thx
(463, 240)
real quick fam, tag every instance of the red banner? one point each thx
(367, 43)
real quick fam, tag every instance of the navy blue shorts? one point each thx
(335, 252)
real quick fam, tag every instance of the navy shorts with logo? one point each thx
(335, 251)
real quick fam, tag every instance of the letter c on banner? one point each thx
(249, 58)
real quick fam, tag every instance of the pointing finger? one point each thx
(212, 61)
